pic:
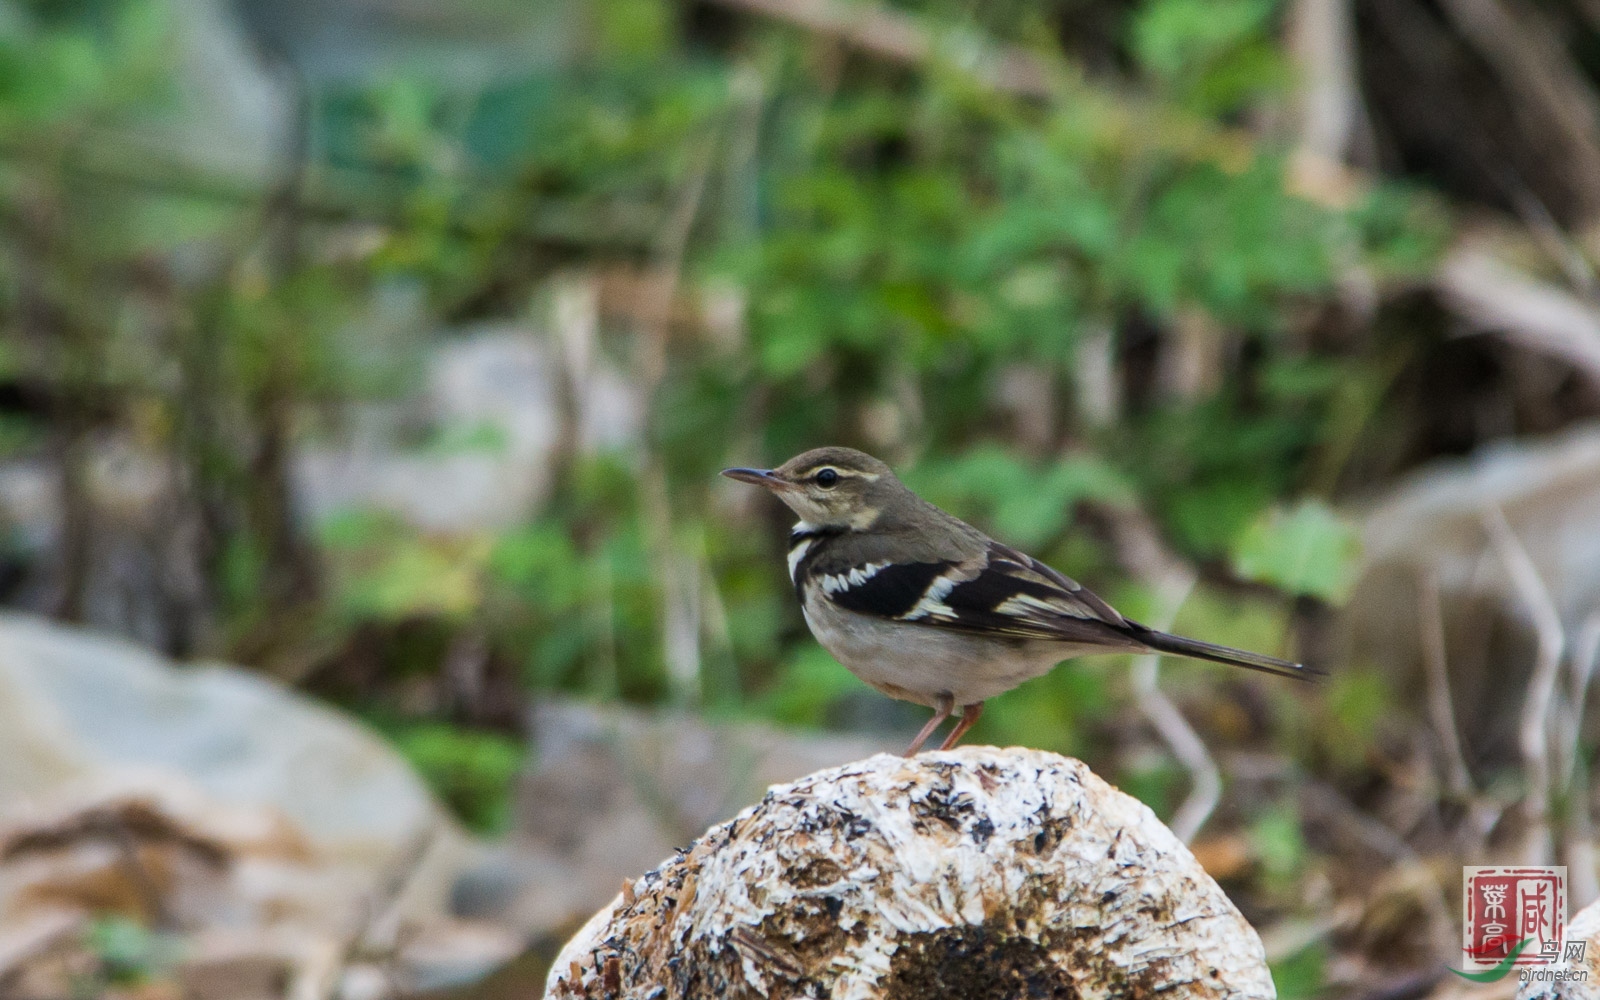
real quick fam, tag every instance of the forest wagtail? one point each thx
(928, 609)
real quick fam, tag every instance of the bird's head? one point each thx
(832, 487)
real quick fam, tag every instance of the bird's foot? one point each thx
(969, 715)
(946, 705)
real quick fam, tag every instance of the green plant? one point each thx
(129, 953)
(471, 771)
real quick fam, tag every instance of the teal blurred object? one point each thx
(467, 43)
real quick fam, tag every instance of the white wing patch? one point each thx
(932, 601)
(1021, 605)
(856, 577)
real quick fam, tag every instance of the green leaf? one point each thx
(1352, 713)
(420, 578)
(1030, 504)
(1301, 975)
(1172, 37)
(1279, 846)
(1307, 551)
(811, 683)
(129, 952)
(471, 770)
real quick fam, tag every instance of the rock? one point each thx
(273, 837)
(1549, 491)
(614, 791)
(29, 505)
(1571, 980)
(497, 383)
(491, 399)
(685, 772)
(978, 872)
(459, 46)
(39, 933)
(453, 953)
(234, 114)
(245, 974)
(1433, 523)
(81, 714)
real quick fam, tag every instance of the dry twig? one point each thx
(1581, 856)
(1186, 744)
(1173, 580)
(1440, 706)
(1535, 68)
(1585, 657)
(1528, 312)
(679, 572)
(1322, 39)
(901, 38)
(1533, 737)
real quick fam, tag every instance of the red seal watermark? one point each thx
(1506, 906)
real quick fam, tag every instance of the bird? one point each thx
(928, 609)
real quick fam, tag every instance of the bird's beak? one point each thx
(758, 477)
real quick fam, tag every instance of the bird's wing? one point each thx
(999, 592)
(1004, 593)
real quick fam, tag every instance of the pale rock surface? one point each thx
(1584, 927)
(275, 835)
(80, 712)
(1548, 490)
(1432, 523)
(979, 873)
(488, 399)
(498, 381)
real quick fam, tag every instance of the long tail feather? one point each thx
(1178, 645)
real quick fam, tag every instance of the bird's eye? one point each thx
(827, 479)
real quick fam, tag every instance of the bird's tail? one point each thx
(1163, 642)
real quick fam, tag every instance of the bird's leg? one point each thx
(946, 705)
(969, 715)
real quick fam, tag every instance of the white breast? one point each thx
(920, 662)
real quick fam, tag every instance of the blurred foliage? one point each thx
(383, 571)
(1304, 551)
(1301, 975)
(904, 241)
(1279, 847)
(129, 953)
(1355, 708)
(470, 771)
(902, 248)
(1030, 504)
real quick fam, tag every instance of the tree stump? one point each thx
(978, 873)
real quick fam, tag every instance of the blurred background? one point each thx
(374, 607)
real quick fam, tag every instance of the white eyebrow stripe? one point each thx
(836, 582)
(870, 477)
(932, 600)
